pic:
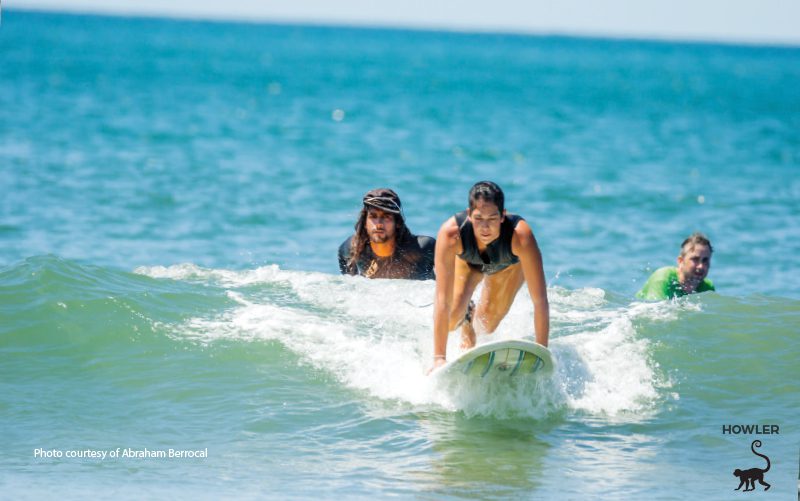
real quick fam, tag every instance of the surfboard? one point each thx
(512, 358)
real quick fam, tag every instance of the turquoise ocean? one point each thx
(173, 193)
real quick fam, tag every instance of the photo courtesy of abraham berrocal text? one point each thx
(120, 453)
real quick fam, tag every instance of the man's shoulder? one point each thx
(344, 257)
(425, 242)
(664, 273)
(706, 285)
(344, 248)
(346, 243)
(424, 267)
(658, 285)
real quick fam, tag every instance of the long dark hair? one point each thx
(361, 238)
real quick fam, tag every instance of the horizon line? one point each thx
(400, 26)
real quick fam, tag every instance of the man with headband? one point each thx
(382, 245)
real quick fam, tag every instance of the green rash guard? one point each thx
(664, 284)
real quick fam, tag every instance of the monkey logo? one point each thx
(748, 477)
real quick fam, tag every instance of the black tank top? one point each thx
(497, 256)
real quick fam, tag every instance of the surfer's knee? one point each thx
(486, 321)
(491, 323)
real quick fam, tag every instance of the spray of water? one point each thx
(375, 336)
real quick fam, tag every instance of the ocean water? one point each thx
(173, 194)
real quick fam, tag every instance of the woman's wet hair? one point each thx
(696, 238)
(488, 192)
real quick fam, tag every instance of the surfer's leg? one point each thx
(499, 291)
(465, 279)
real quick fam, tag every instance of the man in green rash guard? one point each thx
(689, 276)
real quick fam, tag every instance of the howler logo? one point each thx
(748, 477)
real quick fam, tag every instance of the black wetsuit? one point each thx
(497, 256)
(412, 259)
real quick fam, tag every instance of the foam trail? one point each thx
(373, 337)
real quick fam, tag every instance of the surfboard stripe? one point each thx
(537, 365)
(469, 366)
(520, 358)
(488, 364)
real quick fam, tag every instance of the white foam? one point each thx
(376, 336)
(606, 371)
(188, 271)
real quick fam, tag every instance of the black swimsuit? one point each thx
(497, 256)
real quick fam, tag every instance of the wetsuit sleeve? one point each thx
(344, 256)
(428, 247)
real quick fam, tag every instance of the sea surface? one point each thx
(173, 193)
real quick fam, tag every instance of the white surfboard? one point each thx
(512, 358)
